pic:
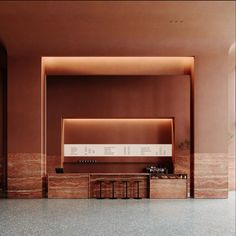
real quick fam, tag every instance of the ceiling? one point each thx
(125, 28)
(118, 65)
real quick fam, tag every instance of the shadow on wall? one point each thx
(3, 119)
(231, 117)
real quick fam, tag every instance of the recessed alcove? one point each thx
(115, 97)
(109, 145)
(115, 88)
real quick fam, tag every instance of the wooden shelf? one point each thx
(79, 163)
(169, 176)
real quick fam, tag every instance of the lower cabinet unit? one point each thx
(95, 185)
(68, 186)
(167, 188)
(116, 185)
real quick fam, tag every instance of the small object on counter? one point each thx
(59, 170)
(168, 176)
(156, 170)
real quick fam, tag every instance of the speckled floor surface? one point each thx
(118, 217)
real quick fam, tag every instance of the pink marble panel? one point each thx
(52, 163)
(25, 175)
(232, 166)
(210, 175)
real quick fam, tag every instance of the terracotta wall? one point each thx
(211, 118)
(231, 118)
(98, 97)
(1, 131)
(3, 118)
(117, 131)
(231, 130)
(24, 111)
(24, 127)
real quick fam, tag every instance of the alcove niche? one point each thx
(123, 89)
(116, 145)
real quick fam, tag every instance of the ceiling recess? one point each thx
(176, 21)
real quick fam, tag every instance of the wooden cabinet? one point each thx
(167, 188)
(68, 186)
(86, 185)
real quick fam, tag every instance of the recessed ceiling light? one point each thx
(175, 21)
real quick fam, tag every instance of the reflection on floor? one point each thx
(118, 217)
